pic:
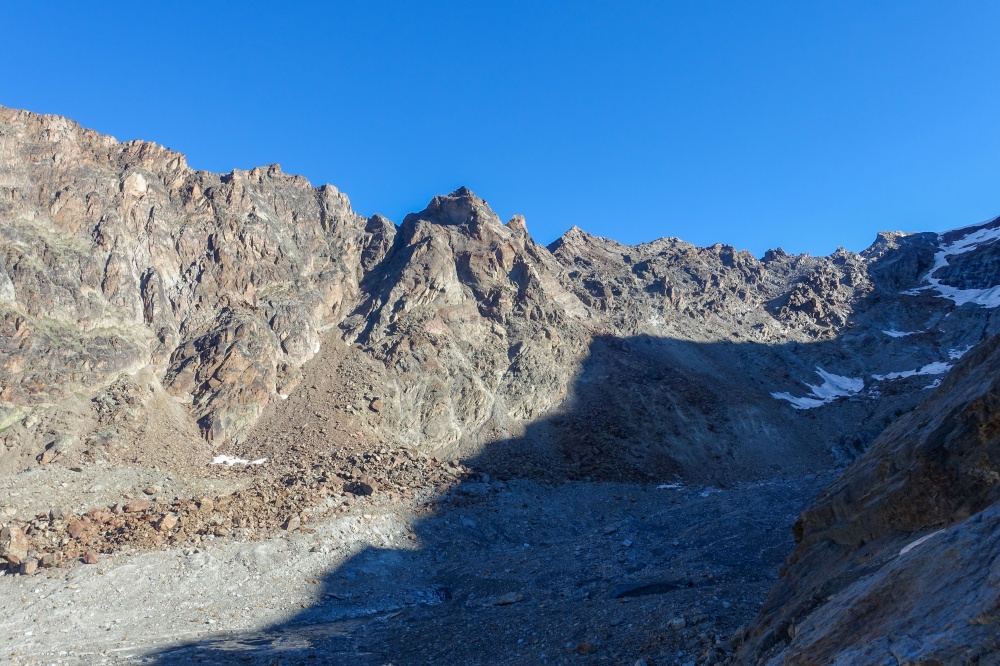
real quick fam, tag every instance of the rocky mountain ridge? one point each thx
(119, 257)
(157, 319)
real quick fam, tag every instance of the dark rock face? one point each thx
(898, 262)
(897, 559)
(976, 269)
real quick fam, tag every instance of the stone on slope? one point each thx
(13, 543)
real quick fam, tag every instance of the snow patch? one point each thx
(936, 368)
(833, 387)
(670, 486)
(934, 384)
(989, 298)
(230, 461)
(907, 548)
(956, 354)
(900, 334)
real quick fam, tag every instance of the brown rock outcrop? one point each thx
(13, 544)
(470, 319)
(118, 255)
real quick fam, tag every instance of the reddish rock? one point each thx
(13, 543)
(100, 516)
(77, 528)
(135, 506)
(167, 522)
(292, 523)
(90, 557)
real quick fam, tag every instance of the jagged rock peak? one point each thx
(774, 254)
(576, 237)
(518, 225)
(460, 208)
(576, 233)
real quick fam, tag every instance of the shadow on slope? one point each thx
(577, 550)
(562, 548)
(528, 572)
(647, 408)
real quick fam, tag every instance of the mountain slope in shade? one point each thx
(898, 559)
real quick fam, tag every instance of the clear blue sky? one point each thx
(802, 124)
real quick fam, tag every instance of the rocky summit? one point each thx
(284, 430)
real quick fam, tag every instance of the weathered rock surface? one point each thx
(13, 544)
(468, 316)
(896, 562)
(149, 308)
(117, 256)
(722, 362)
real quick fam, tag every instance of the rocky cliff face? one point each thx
(600, 360)
(118, 257)
(469, 317)
(897, 561)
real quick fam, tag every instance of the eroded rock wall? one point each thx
(117, 256)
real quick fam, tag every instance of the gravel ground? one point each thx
(487, 573)
(97, 485)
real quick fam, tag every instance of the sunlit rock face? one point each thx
(588, 358)
(117, 256)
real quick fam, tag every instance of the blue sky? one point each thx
(801, 124)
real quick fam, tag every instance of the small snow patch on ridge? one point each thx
(833, 387)
(907, 548)
(956, 354)
(900, 334)
(936, 368)
(989, 298)
(230, 461)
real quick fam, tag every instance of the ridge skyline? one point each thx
(397, 220)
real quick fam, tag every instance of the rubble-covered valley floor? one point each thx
(475, 571)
